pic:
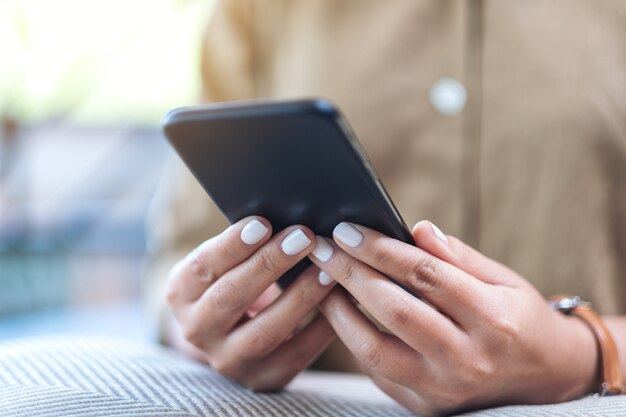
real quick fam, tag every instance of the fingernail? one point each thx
(439, 233)
(324, 278)
(253, 232)
(295, 242)
(323, 249)
(348, 234)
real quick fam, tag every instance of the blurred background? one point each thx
(83, 85)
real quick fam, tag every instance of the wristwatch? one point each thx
(612, 383)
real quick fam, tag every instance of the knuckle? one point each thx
(173, 287)
(426, 276)
(348, 272)
(507, 328)
(224, 366)
(371, 353)
(262, 339)
(193, 332)
(227, 298)
(470, 383)
(482, 370)
(198, 265)
(397, 311)
(380, 253)
(306, 298)
(269, 263)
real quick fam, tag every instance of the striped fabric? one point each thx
(73, 376)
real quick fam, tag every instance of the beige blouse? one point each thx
(530, 169)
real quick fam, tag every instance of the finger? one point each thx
(448, 288)
(224, 303)
(197, 271)
(450, 249)
(268, 297)
(296, 354)
(380, 352)
(403, 395)
(277, 369)
(416, 323)
(263, 333)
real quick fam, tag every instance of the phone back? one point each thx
(293, 162)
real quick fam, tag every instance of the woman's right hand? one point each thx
(216, 296)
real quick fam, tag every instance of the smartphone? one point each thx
(292, 162)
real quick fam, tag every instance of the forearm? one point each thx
(617, 326)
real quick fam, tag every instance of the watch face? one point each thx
(567, 303)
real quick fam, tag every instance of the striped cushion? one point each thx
(73, 376)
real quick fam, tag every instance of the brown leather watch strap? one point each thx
(612, 383)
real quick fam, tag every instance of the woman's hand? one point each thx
(479, 336)
(221, 296)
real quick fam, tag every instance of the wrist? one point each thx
(607, 355)
(585, 367)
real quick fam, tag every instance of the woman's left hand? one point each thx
(478, 336)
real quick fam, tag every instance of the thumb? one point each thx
(450, 249)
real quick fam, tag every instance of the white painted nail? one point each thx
(295, 242)
(348, 234)
(253, 232)
(323, 250)
(324, 278)
(439, 233)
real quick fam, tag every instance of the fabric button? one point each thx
(448, 96)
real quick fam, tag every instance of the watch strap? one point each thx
(612, 383)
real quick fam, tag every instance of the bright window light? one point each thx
(99, 61)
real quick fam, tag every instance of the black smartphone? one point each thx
(292, 162)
